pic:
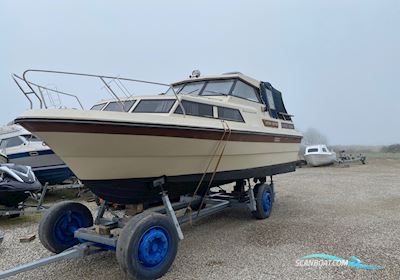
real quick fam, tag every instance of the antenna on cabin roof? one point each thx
(195, 74)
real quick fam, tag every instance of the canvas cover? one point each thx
(277, 99)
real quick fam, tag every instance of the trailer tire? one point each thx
(147, 246)
(264, 200)
(58, 224)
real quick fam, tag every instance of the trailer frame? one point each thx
(93, 242)
(24, 208)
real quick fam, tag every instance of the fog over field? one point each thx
(336, 62)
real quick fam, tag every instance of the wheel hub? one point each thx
(153, 247)
(66, 226)
(266, 201)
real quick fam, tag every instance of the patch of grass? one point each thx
(382, 155)
(28, 218)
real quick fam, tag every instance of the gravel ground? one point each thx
(339, 211)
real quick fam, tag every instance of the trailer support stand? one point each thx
(42, 196)
(100, 212)
(171, 214)
(252, 200)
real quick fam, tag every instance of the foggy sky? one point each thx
(336, 62)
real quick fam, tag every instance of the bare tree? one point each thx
(395, 148)
(313, 137)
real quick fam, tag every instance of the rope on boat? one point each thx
(227, 130)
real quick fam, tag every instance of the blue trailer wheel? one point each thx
(264, 195)
(153, 247)
(266, 201)
(147, 246)
(58, 225)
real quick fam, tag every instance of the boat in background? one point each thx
(204, 131)
(19, 146)
(319, 155)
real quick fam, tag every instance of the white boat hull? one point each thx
(118, 160)
(142, 156)
(320, 159)
(47, 166)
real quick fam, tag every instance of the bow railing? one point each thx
(33, 90)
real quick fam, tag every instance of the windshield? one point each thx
(214, 87)
(177, 88)
(31, 138)
(192, 88)
(222, 87)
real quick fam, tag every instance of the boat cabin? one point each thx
(229, 97)
(14, 136)
(317, 149)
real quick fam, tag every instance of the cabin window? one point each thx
(313, 150)
(117, 106)
(97, 107)
(324, 150)
(245, 91)
(219, 87)
(270, 98)
(229, 114)
(154, 106)
(195, 109)
(287, 125)
(192, 88)
(13, 142)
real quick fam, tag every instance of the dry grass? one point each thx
(23, 219)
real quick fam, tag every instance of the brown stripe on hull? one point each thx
(46, 125)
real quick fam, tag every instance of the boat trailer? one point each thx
(146, 243)
(24, 208)
(345, 158)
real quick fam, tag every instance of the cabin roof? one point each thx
(230, 75)
(316, 146)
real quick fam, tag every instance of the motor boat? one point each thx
(319, 155)
(204, 131)
(19, 146)
(17, 183)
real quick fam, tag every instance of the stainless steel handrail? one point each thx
(16, 78)
(102, 78)
(40, 87)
